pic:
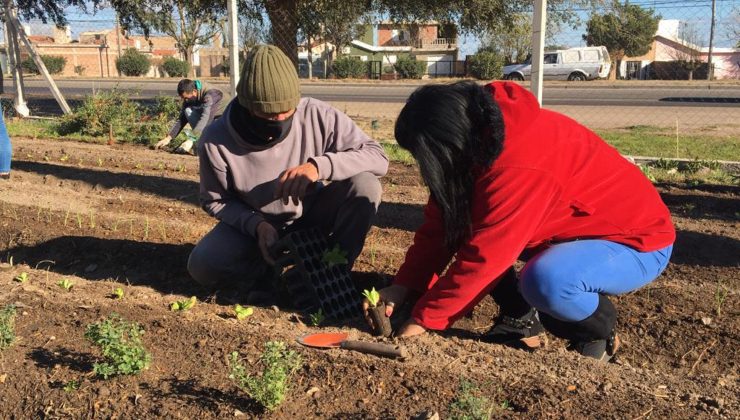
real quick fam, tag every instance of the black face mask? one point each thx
(190, 102)
(268, 131)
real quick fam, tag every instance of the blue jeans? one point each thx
(6, 151)
(565, 280)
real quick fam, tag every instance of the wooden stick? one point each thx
(701, 355)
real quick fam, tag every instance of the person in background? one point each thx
(201, 105)
(6, 149)
(275, 163)
(509, 180)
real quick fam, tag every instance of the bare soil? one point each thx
(123, 216)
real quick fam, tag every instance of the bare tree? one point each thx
(688, 53)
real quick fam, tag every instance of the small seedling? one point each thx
(317, 318)
(334, 256)
(183, 305)
(22, 277)
(719, 298)
(120, 342)
(71, 385)
(118, 293)
(469, 403)
(7, 326)
(372, 296)
(242, 312)
(269, 389)
(65, 284)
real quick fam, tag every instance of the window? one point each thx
(550, 59)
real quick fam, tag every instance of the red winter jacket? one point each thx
(555, 181)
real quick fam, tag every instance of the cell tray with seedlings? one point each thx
(310, 281)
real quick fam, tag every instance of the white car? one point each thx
(582, 63)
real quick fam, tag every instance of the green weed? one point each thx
(334, 256)
(469, 404)
(720, 295)
(22, 277)
(242, 312)
(65, 284)
(183, 305)
(71, 386)
(120, 342)
(7, 326)
(118, 293)
(278, 365)
(317, 318)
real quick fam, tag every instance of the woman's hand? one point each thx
(392, 296)
(410, 329)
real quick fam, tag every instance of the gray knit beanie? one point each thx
(269, 81)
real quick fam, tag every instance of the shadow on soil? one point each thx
(705, 250)
(205, 397)
(400, 216)
(161, 266)
(174, 189)
(47, 359)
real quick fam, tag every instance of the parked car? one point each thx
(576, 64)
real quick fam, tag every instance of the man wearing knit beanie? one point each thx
(275, 163)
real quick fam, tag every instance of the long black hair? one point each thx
(452, 131)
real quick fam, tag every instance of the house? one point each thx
(669, 53)
(95, 52)
(431, 42)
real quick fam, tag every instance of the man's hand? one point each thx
(295, 181)
(410, 329)
(266, 237)
(162, 143)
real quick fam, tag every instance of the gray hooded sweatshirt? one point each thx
(238, 178)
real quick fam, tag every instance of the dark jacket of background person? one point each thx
(213, 103)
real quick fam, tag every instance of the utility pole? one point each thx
(539, 20)
(233, 45)
(710, 67)
(118, 40)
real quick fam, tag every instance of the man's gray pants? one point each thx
(225, 257)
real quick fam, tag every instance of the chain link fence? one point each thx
(684, 75)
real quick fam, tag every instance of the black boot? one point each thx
(517, 324)
(594, 336)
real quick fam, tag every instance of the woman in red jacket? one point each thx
(509, 180)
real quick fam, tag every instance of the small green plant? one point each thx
(372, 296)
(22, 277)
(118, 293)
(7, 326)
(278, 365)
(469, 404)
(317, 318)
(720, 295)
(65, 284)
(183, 305)
(242, 312)
(334, 256)
(665, 164)
(120, 342)
(648, 172)
(80, 70)
(71, 386)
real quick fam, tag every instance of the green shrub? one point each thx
(175, 68)
(7, 326)
(54, 64)
(278, 364)
(410, 68)
(133, 63)
(348, 67)
(486, 65)
(167, 107)
(120, 342)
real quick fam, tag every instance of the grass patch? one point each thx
(661, 142)
(397, 154)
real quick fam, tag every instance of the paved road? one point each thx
(716, 95)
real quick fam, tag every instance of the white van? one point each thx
(581, 63)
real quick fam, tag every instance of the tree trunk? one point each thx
(189, 58)
(282, 15)
(691, 74)
(310, 58)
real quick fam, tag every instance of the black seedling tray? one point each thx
(310, 282)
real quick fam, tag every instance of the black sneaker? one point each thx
(601, 350)
(524, 332)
